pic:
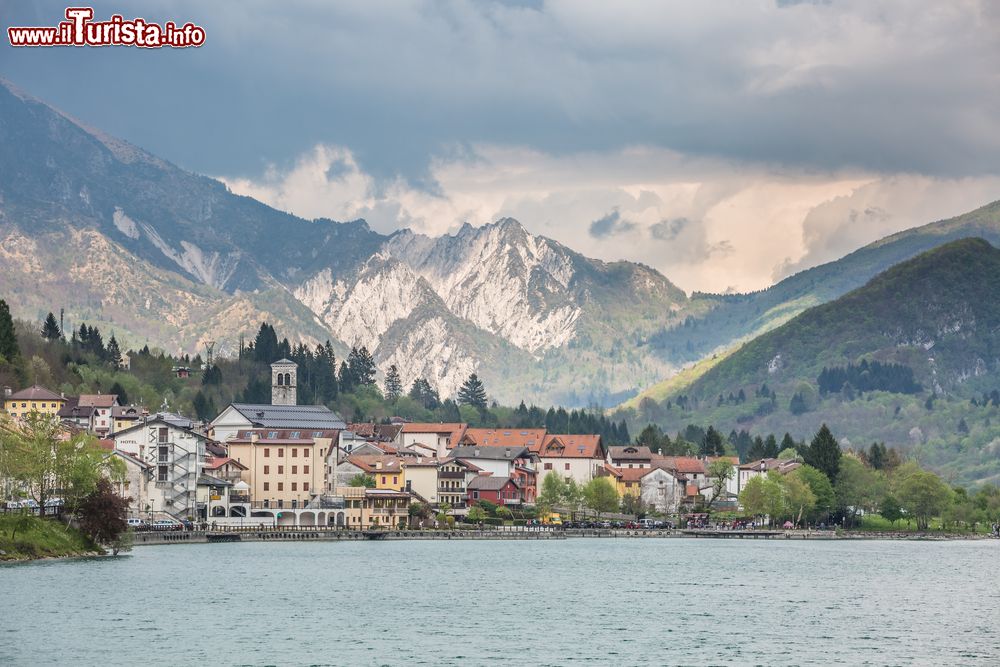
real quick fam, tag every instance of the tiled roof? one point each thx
(571, 447)
(630, 453)
(489, 483)
(306, 417)
(489, 453)
(370, 464)
(98, 400)
(506, 437)
(687, 465)
(440, 427)
(216, 462)
(35, 393)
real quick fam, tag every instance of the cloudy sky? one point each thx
(727, 144)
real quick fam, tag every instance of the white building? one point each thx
(429, 439)
(577, 457)
(175, 454)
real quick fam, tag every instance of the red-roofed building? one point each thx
(531, 438)
(577, 457)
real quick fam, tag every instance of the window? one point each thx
(281, 470)
(294, 435)
(567, 465)
(281, 451)
(395, 480)
(305, 486)
(163, 434)
(281, 486)
(267, 452)
(548, 466)
(267, 486)
(295, 486)
(161, 473)
(295, 453)
(163, 453)
(267, 470)
(271, 435)
(305, 470)
(295, 470)
(281, 379)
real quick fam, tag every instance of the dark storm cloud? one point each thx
(610, 225)
(888, 86)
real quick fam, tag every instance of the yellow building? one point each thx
(375, 508)
(284, 466)
(386, 469)
(34, 399)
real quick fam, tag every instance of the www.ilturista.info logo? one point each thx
(79, 29)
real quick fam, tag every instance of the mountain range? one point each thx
(160, 256)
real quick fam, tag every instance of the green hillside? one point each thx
(907, 354)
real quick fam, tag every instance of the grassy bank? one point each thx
(30, 537)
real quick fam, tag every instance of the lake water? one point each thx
(592, 601)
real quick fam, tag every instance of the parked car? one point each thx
(137, 524)
(167, 524)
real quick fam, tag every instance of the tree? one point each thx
(361, 366)
(553, 493)
(114, 353)
(600, 495)
(204, 406)
(821, 489)
(891, 510)
(393, 384)
(711, 444)
(634, 505)
(103, 515)
(573, 497)
(9, 350)
(857, 488)
(476, 514)
(923, 495)
(362, 479)
(762, 496)
(420, 511)
(472, 392)
(42, 459)
(50, 328)
(797, 497)
(824, 453)
(720, 472)
(118, 390)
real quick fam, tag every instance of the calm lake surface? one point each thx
(593, 601)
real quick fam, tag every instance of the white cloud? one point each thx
(706, 224)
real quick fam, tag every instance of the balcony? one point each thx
(237, 498)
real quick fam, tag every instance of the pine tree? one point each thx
(114, 353)
(50, 329)
(824, 453)
(362, 367)
(345, 379)
(472, 393)
(9, 350)
(393, 384)
(204, 406)
(119, 391)
(712, 444)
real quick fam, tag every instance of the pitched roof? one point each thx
(505, 437)
(489, 483)
(630, 453)
(455, 430)
(571, 447)
(73, 411)
(216, 462)
(464, 462)
(306, 417)
(377, 464)
(687, 465)
(166, 418)
(490, 453)
(127, 411)
(98, 400)
(35, 393)
(420, 462)
(383, 432)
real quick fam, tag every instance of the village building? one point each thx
(576, 457)
(518, 463)
(365, 509)
(33, 399)
(135, 484)
(630, 456)
(504, 491)
(284, 466)
(454, 476)
(422, 478)
(430, 439)
(83, 417)
(760, 467)
(531, 438)
(103, 404)
(176, 454)
(127, 416)
(386, 470)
